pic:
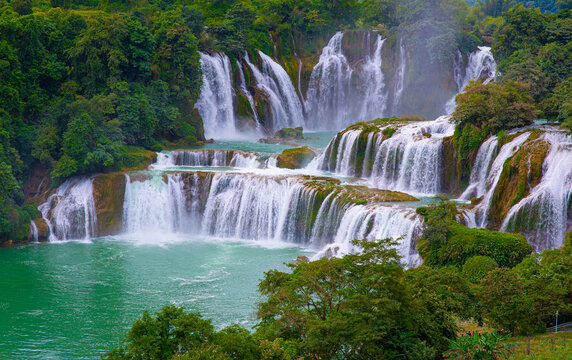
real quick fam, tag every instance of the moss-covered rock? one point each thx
(43, 229)
(296, 133)
(295, 158)
(521, 173)
(108, 195)
(137, 158)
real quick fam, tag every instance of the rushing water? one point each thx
(73, 300)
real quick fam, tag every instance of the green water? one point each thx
(74, 300)
(320, 143)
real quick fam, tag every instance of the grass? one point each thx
(543, 346)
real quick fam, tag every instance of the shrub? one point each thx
(477, 267)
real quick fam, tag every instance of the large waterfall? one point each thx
(273, 80)
(340, 94)
(216, 101)
(347, 85)
(233, 205)
(493, 176)
(409, 160)
(543, 215)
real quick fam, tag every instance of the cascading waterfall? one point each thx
(34, 231)
(335, 98)
(373, 94)
(215, 103)
(242, 86)
(276, 84)
(153, 206)
(329, 83)
(481, 65)
(483, 162)
(543, 216)
(232, 205)
(400, 78)
(410, 160)
(70, 212)
(376, 222)
(208, 158)
(458, 73)
(493, 176)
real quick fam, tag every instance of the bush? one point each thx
(477, 267)
(504, 248)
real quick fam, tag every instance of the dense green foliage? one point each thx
(494, 106)
(486, 346)
(477, 267)
(445, 242)
(367, 306)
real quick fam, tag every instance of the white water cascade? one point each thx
(493, 176)
(376, 222)
(373, 93)
(483, 161)
(215, 103)
(410, 160)
(329, 84)
(481, 65)
(269, 209)
(207, 158)
(243, 88)
(273, 80)
(400, 78)
(339, 95)
(544, 215)
(33, 231)
(70, 211)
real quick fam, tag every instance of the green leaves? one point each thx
(486, 346)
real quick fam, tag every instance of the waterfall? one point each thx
(377, 222)
(153, 206)
(70, 212)
(339, 93)
(481, 65)
(543, 216)
(399, 78)
(215, 103)
(493, 176)
(33, 231)
(410, 160)
(478, 178)
(207, 158)
(242, 86)
(374, 97)
(277, 86)
(329, 84)
(458, 75)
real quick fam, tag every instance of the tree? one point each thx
(498, 107)
(352, 308)
(170, 332)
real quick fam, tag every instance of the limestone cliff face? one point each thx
(108, 196)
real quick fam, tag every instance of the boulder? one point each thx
(295, 158)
